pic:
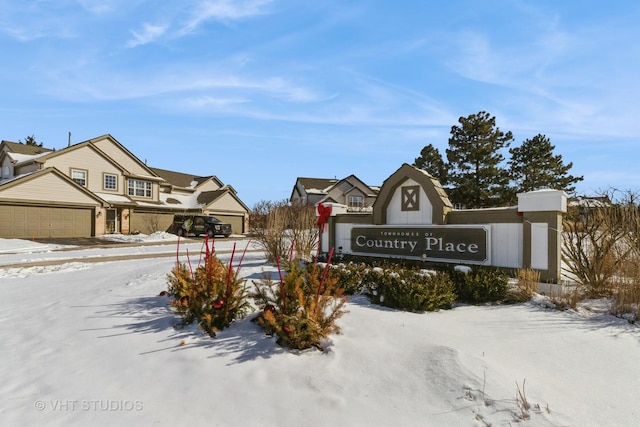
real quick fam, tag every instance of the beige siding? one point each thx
(226, 203)
(27, 168)
(339, 193)
(122, 157)
(48, 188)
(150, 222)
(228, 209)
(208, 185)
(85, 158)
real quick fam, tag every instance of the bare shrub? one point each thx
(526, 285)
(626, 290)
(626, 301)
(303, 230)
(152, 222)
(566, 297)
(284, 231)
(258, 214)
(521, 401)
(268, 228)
(600, 240)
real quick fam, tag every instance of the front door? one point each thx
(112, 223)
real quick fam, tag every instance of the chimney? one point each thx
(69, 142)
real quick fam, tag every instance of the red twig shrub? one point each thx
(302, 307)
(213, 295)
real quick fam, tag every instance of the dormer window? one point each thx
(355, 202)
(79, 176)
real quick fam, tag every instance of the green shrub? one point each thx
(409, 289)
(481, 285)
(301, 308)
(350, 276)
(213, 295)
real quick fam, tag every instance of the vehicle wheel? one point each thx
(227, 235)
(210, 233)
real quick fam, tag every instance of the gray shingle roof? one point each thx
(321, 184)
(180, 179)
(29, 150)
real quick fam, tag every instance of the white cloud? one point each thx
(567, 78)
(205, 102)
(36, 21)
(148, 34)
(96, 7)
(207, 10)
(212, 86)
(223, 10)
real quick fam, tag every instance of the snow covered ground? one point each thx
(89, 342)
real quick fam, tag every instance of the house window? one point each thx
(355, 202)
(110, 182)
(79, 176)
(139, 188)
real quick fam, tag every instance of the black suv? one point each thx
(185, 225)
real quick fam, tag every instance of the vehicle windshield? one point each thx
(213, 219)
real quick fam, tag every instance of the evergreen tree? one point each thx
(30, 140)
(533, 166)
(475, 170)
(431, 160)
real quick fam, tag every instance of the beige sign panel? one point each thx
(458, 244)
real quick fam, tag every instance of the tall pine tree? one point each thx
(431, 161)
(31, 140)
(475, 171)
(533, 166)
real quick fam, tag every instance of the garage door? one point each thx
(237, 222)
(30, 221)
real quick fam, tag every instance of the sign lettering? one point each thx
(432, 243)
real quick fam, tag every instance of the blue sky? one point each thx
(260, 92)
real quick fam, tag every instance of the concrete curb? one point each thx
(106, 259)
